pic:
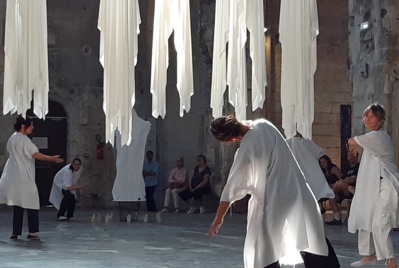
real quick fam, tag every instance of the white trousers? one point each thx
(379, 241)
(175, 193)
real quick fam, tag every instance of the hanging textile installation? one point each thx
(129, 182)
(171, 15)
(299, 28)
(232, 20)
(119, 25)
(26, 60)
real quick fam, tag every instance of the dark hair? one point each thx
(22, 121)
(75, 159)
(149, 152)
(378, 111)
(225, 128)
(180, 158)
(330, 164)
(203, 157)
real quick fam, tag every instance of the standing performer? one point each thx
(17, 184)
(375, 210)
(63, 191)
(283, 214)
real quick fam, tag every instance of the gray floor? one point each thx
(175, 240)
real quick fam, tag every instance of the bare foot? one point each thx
(391, 263)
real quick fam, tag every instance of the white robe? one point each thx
(64, 178)
(299, 28)
(17, 183)
(119, 25)
(282, 212)
(307, 154)
(129, 182)
(377, 161)
(171, 15)
(26, 60)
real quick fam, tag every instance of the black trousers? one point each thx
(316, 261)
(196, 194)
(18, 218)
(67, 204)
(149, 196)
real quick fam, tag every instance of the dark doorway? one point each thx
(346, 133)
(50, 136)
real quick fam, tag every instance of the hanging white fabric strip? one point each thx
(171, 15)
(119, 25)
(26, 58)
(232, 28)
(221, 33)
(298, 33)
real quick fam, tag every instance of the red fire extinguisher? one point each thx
(100, 147)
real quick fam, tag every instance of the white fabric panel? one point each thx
(236, 73)
(219, 71)
(26, 60)
(255, 24)
(232, 19)
(171, 15)
(298, 32)
(119, 25)
(129, 182)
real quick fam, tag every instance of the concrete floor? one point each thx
(174, 240)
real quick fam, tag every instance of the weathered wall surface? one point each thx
(374, 60)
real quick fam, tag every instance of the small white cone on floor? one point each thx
(145, 219)
(106, 218)
(158, 217)
(93, 218)
(128, 218)
(98, 216)
(111, 216)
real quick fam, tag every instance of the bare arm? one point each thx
(203, 183)
(76, 187)
(337, 172)
(218, 221)
(48, 158)
(353, 146)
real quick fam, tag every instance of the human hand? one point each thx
(56, 159)
(213, 230)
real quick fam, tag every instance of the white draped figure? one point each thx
(232, 19)
(299, 28)
(171, 15)
(307, 154)
(26, 60)
(119, 25)
(129, 182)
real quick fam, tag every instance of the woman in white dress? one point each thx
(17, 184)
(374, 209)
(63, 191)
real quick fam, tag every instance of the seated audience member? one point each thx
(178, 182)
(198, 185)
(330, 170)
(344, 188)
(63, 191)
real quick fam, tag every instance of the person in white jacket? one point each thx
(17, 184)
(375, 209)
(63, 191)
(283, 214)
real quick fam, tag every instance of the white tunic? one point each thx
(129, 182)
(25, 61)
(282, 211)
(17, 183)
(64, 178)
(307, 154)
(377, 161)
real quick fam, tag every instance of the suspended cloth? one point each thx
(119, 25)
(171, 15)
(129, 182)
(26, 60)
(299, 28)
(232, 28)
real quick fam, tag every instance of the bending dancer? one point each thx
(17, 184)
(282, 211)
(375, 208)
(63, 191)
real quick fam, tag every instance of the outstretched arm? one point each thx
(218, 221)
(48, 158)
